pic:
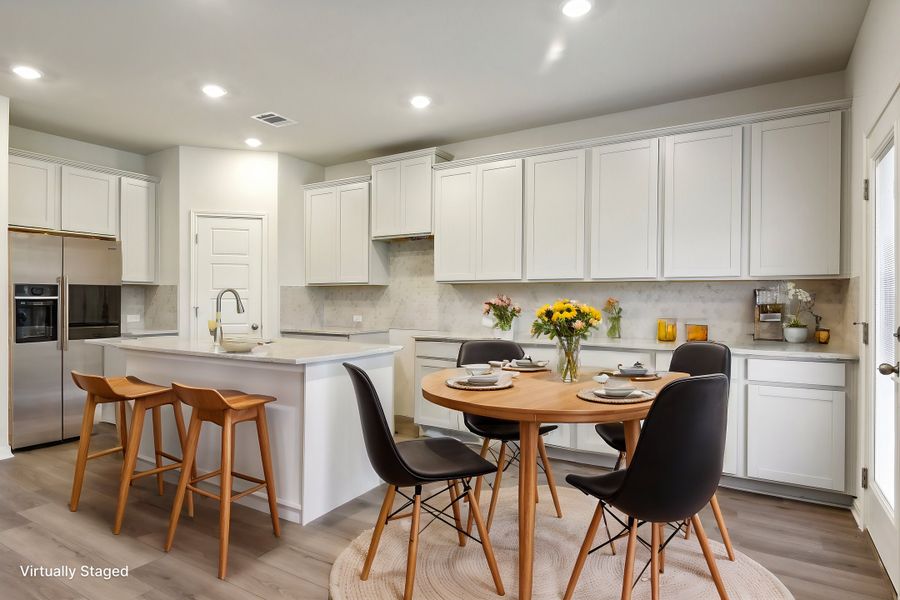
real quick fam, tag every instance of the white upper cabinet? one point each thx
(33, 193)
(498, 235)
(478, 222)
(455, 224)
(702, 227)
(555, 216)
(137, 230)
(90, 201)
(625, 210)
(795, 196)
(402, 197)
(338, 246)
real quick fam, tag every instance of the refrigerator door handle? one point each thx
(63, 312)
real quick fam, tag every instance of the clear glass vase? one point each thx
(614, 327)
(568, 352)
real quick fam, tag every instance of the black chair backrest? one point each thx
(678, 460)
(482, 351)
(378, 436)
(702, 358)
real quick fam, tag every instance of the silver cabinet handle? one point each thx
(254, 326)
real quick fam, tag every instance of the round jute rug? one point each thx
(446, 571)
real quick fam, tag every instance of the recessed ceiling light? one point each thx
(214, 91)
(576, 8)
(420, 101)
(253, 142)
(26, 72)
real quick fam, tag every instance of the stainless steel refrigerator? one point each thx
(65, 290)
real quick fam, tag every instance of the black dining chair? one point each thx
(694, 358)
(414, 464)
(674, 472)
(506, 432)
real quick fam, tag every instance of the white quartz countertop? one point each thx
(138, 333)
(279, 351)
(812, 351)
(335, 331)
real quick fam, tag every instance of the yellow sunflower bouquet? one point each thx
(568, 322)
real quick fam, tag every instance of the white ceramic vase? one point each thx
(796, 335)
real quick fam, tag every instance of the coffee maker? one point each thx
(767, 312)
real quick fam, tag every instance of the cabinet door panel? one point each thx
(703, 204)
(353, 257)
(428, 413)
(321, 235)
(138, 230)
(499, 220)
(455, 224)
(33, 193)
(795, 196)
(796, 435)
(386, 199)
(624, 210)
(90, 201)
(554, 212)
(415, 193)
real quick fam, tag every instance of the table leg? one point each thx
(528, 441)
(632, 433)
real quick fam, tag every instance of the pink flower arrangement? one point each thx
(503, 310)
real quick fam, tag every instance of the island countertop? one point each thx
(280, 351)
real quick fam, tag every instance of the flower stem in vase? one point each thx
(568, 354)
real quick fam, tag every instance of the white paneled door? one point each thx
(880, 363)
(228, 254)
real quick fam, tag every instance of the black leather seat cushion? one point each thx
(437, 459)
(499, 429)
(613, 434)
(599, 486)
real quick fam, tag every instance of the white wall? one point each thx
(4, 279)
(164, 164)
(795, 92)
(292, 174)
(54, 145)
(227, 181)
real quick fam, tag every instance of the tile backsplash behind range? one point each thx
(413, 300)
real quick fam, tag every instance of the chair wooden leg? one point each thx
(413, 546)
(478, 483)
(619, 460)
(137, 426)
(182, 439)
(662, 551)
(551, 482)
(654, 560)
(454, 495)
(122, 423)
(612, 543)
(84, 445)
(628, 576)
(583, 553)
(687, 529)
(386, 507)
(265, 452)
(486, 544)
(495, 493)
(190, 452)
(158, 448)
(225, 492)
(720, 520)
(710, 559)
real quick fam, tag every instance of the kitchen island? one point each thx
(319, 457)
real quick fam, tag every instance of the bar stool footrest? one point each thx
(104, 452)
(155, 471)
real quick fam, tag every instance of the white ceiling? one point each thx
(128, 74)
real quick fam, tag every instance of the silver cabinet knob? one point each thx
(254, 326)
(888, 369)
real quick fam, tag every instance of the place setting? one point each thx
(615, 391)
(526, 364)
(481, 377)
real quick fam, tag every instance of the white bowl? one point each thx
(617, 392)
(478, 369)
(483, 380)
(238, 344)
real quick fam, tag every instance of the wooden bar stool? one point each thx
(225, 408)
(102, 390)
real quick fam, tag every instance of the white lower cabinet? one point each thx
(796, 435)
(427, 413)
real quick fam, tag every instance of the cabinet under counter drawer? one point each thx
(445, 350)
(801, 372)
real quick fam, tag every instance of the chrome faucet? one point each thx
(240, 309)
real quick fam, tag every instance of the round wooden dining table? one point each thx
(533, 399)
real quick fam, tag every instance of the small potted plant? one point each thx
(499, 313)
(795, 330)
(568, 322)
(613, 311)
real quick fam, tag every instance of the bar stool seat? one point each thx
(146, 396)
(225, 408)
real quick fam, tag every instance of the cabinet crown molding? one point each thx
(82, 165)
(336, 182)
(413, 154)
(747, 119)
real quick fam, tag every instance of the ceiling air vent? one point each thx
(274, 119)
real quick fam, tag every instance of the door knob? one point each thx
(254, 326)
(889, 369)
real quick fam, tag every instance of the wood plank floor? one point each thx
(816, 551)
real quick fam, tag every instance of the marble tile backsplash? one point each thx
(155, 304)
(414, 300)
